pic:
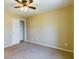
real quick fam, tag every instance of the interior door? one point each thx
(15, 31)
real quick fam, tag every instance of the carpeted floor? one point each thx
(34, 51)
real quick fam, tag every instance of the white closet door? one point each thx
(15, 31)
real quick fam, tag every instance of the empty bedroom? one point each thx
(38, 29)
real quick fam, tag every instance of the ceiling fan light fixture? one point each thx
(24, 8)
(25, 4)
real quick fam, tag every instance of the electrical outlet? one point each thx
(66, 44)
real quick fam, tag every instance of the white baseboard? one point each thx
(8, 46)
(52, 46)
(11, 45)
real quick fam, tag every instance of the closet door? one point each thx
(15, 31)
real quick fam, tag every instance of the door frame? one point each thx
(25, 39)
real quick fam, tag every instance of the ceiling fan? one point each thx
(25, 4)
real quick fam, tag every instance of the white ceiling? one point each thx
(41, 5)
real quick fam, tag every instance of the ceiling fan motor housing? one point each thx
(24, 2)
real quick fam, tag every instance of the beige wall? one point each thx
(7, 29)
(54, 28)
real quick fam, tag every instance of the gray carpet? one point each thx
(34, 51)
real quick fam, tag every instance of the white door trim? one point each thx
(24, 28)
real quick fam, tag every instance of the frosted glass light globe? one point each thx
(24, 8)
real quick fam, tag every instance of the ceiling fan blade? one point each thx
(32, 7)
(18, 7)
(18, 1)
(30, 1)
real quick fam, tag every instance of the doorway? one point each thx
(22, 31)
(18, 31)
